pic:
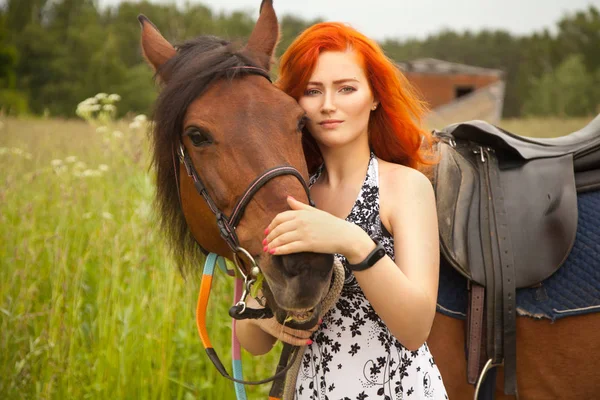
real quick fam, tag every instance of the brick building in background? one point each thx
(456, 92)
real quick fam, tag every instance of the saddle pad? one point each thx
(574, 289)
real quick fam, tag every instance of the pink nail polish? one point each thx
(320, 321)
(265, 242)
(266, 231)
(309, 342)
(272, 251)
(265, 249)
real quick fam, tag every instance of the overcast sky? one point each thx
(403, 19)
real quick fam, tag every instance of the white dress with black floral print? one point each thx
(354, 356)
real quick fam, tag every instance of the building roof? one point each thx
(435, 66)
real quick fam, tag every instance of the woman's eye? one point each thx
(199, 137)
(348, 89)
(311, 92)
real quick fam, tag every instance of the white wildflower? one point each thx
(103, 167)
(114, 97)
(91, 173)
(89, 101)
(79, 165)
(117, 134)
(60, 169)
(95, 107)
(109, 108)
(107, 215)
(56, 163)
(135, 125)
(101, 96)
(71, 159)
(101, 129)
(140, 118)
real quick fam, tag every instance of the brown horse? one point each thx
(220, 115)
(554, 360)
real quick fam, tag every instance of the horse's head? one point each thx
(221, 114)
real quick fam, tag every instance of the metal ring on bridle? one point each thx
(254, 268)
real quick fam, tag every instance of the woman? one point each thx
(364, 149)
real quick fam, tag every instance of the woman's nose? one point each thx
(328, 104)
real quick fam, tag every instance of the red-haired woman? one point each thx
(365, 150)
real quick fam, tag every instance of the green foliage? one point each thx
(55, 52)
(13, 102)
(567, 91)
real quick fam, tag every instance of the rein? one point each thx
(205, 286)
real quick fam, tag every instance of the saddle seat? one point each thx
(584, 144)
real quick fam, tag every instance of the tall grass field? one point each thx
(91, 304)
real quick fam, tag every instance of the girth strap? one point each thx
(500, 285)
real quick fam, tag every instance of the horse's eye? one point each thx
(302, 123)
(199, 137)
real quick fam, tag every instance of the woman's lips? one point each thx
(330, 123)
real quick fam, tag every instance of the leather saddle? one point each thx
(507, 214)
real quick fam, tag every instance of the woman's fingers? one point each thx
(293, 340)
(283, 239)
(282, 228)
(289, 248)
(296, 337)
(280, 219)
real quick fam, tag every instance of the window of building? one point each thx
(460, 91)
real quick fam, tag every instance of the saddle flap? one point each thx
(541, 204)
(456, 183)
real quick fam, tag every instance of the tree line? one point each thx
(55, 53)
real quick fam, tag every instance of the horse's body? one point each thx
(555, 360)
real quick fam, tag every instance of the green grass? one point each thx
(91, 305)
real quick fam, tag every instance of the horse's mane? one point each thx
(197, 63)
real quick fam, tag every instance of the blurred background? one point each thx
(91, 304)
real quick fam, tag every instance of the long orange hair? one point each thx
(395, 134)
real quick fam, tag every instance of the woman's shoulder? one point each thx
(392, 175)
(402, 188)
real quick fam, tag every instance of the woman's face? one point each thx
(338, 100)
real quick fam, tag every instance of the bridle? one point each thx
(227, 229)
(226, 224)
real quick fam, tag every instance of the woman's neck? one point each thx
(345, 165)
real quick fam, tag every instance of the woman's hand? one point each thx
(305, 228)
(296, 337)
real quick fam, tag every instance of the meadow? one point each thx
(91, 303)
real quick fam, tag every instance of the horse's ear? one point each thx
(156, 49)
(265, 34)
